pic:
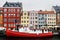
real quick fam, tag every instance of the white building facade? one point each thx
(33, 19)
(46, 18)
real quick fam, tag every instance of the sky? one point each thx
(35, 4)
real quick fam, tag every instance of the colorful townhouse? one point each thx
(46, 18)
(25, 18)
(56, 9)
(33, 19)
(38, 19)
(1, 17)
(12, 14)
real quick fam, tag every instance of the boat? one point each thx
(27, 32)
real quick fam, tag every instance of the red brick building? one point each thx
(12, 13)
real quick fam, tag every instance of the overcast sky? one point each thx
(35, 4)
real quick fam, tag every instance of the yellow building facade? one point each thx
(25, 18)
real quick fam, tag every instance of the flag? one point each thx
(16, 21)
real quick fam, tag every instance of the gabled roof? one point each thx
(12, 4)
(56, 8)
(46, 12)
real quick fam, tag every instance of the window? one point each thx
(1, 11)
(18, 10)
(6, 5)
(9, 10)
(39, 25)
(14, 10)
(11, 5)
(45, 15)
(9, 15)
(35, 14)
(14, 25)
(1, 25)
(5, 10)
(49, 15)
(45, 18)
(43, 22)
(24, 17)
(35, 17)
(28, 13)
(18, 15)
(5, 20)
(42, 14)
(9, 20)
(18, 19)
(27, 21)
(39, 18)
(42, 18)
(48, 19)
(30, 22)
(39, 15)
(54, 22)
(5, 24)
(31, 14)
(14, 15)
(31, 17)
(24, 21)
(39, 22)
(50, 22)
(36, 26)
(35, 21)
(54, 18)
(24, 13)
(27, 17)
(0, 14)
(9, 25)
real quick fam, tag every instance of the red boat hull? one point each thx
(21, 34)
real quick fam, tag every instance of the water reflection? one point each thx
(19, 38)
(29, 38)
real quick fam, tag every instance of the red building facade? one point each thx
(10, 15)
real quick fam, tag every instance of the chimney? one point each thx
(40, 10)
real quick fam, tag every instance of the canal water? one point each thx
(16, 38)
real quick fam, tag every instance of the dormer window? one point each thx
(5, 10)
(16, 5)
(11, 5)
(5, 5)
